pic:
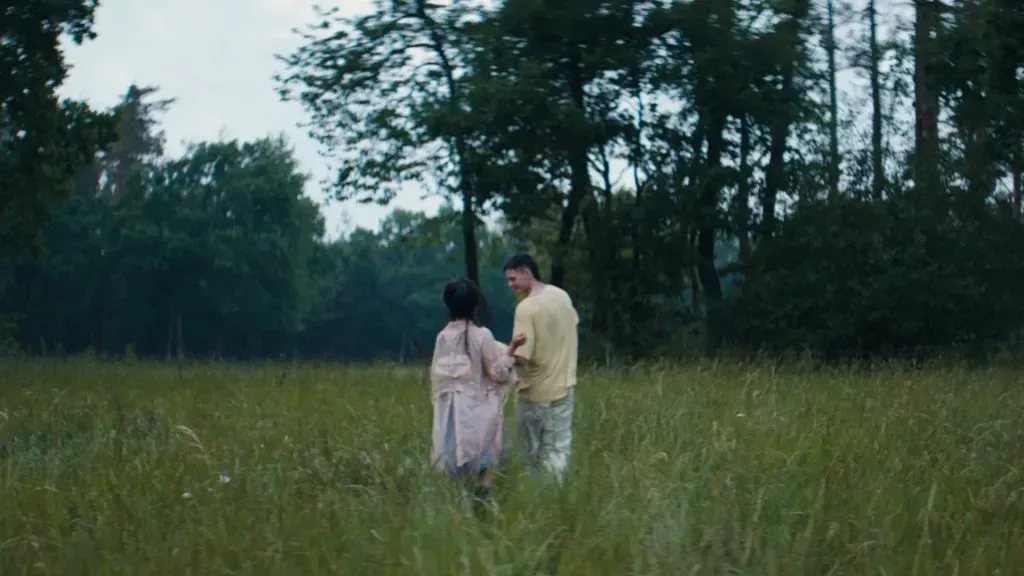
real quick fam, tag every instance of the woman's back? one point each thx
(460, 353)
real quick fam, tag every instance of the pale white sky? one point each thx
(217, 59)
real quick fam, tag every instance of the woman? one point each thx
(469, 378)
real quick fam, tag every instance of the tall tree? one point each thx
(124, 170)
(43, 141)
(139, 138)
(386, 95)
(236, 246)
(554, 80)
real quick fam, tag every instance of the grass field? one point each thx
(148, 469)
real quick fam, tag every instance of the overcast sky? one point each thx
(217, 59)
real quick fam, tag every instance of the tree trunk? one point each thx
(104, 332)
(776, 171)
(467, 186)
(218, 346)
(775, 176)
(601, 289)
(579, 178)
(469, 245)
(977, 116)
(1006, 83)
(709, 197)
(634, 304)
(469, 227)
(926, 102)
(178, 338)
(833, 104)
(691, 272)
(1016, 190)
(577, 192)
(708, 228)
(877, 163)
(170, 335)
(743, 191)
(601, 252)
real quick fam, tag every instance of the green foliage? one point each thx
(375, 85)
(43, 141)
(717, 110)
(385, 301)
(224, 244)
(855, 277)
(207, 252)
(649, 153)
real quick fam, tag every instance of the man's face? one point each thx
(519, 280)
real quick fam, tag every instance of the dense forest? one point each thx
(836, 178)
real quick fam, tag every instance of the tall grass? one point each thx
(274, 469)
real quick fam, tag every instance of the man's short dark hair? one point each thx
(522, 260)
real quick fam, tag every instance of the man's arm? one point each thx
(524, 326)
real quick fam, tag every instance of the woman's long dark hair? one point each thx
(463, 299)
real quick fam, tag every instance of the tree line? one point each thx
(218, 253)
(787, 175)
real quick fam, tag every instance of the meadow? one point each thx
(133, 468)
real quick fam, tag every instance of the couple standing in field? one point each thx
(472, 373)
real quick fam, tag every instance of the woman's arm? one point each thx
(498, 363)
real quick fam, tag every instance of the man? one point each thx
(546, 362)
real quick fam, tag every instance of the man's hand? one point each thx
(518, 341)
